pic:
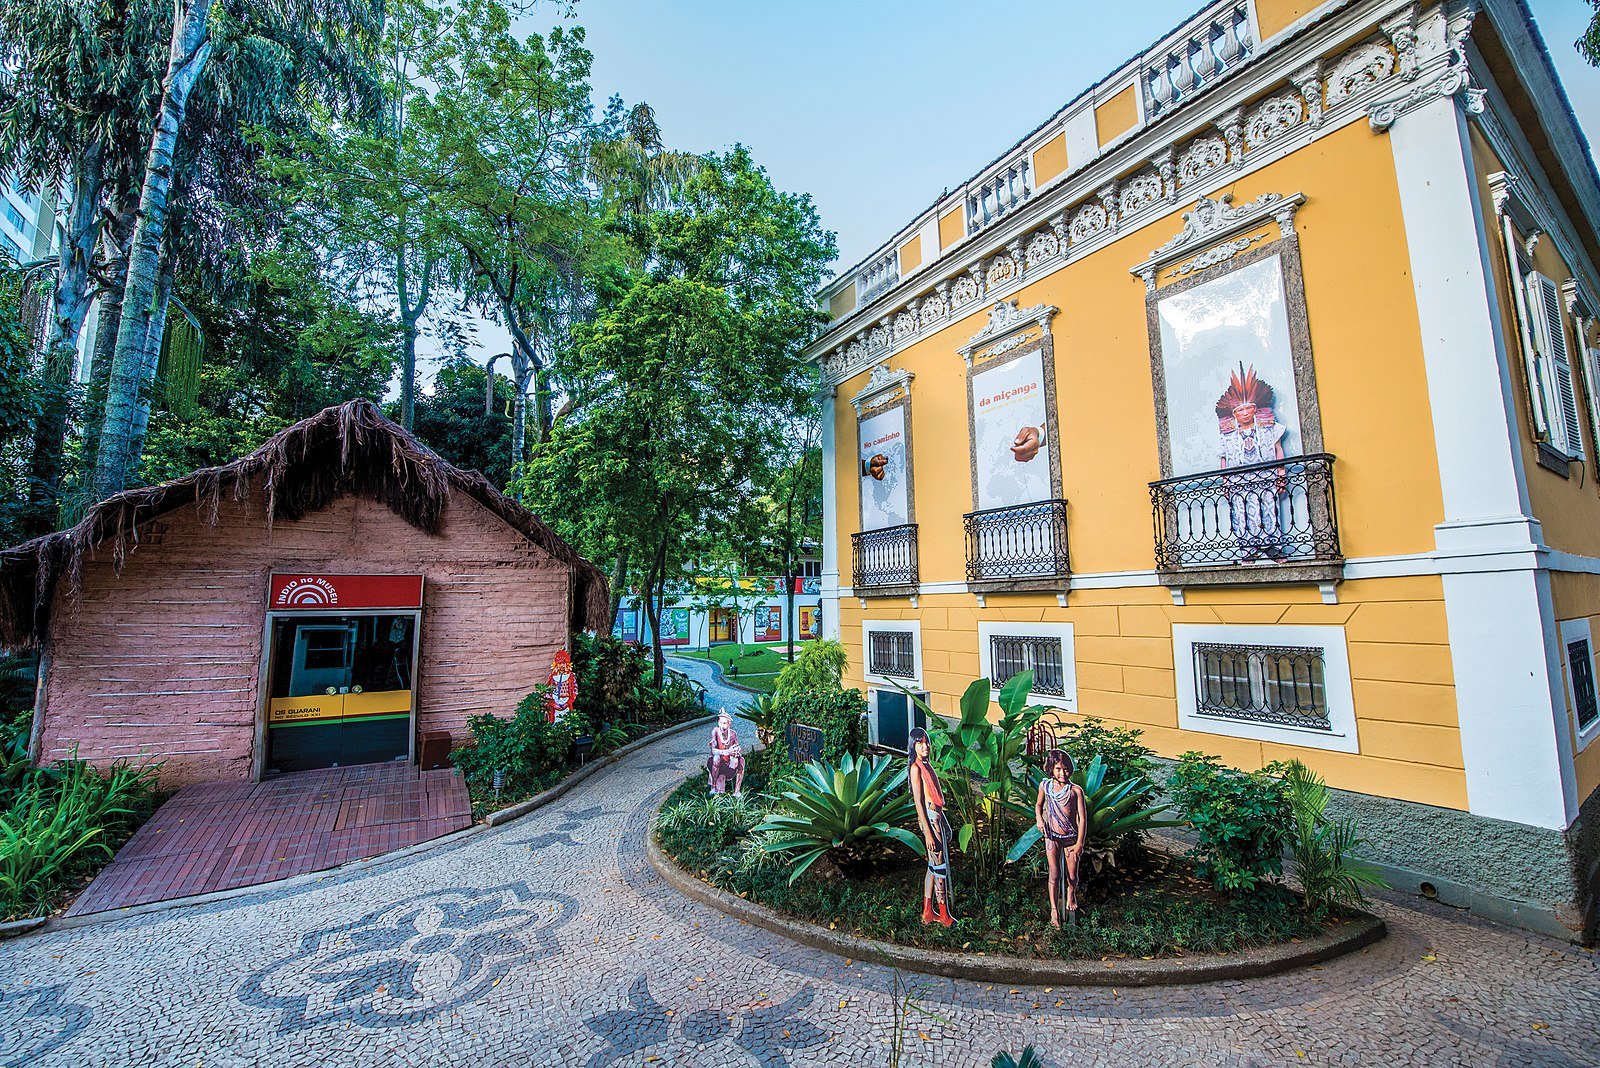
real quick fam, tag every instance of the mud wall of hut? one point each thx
(162, 662)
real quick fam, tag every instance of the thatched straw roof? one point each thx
(349, 449)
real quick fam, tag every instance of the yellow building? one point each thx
(1252, 400)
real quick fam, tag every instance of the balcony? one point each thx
(999, 194)
(1018, 548)
(877, 277)
(884, 561)
(1266, 522)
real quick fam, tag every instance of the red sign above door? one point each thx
(345, 591)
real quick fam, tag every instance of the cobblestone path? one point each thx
(551, 941)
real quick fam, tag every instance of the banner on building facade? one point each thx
(1228, 365)
(810, 622)
(628, 624)
(885, 480)
(769, 623)
(1012, 435)
(675, 626)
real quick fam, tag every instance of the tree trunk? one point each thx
(655, 579)
(619, 579)
(190, 49)
(408, 325)
(158, 331)
(70, 308)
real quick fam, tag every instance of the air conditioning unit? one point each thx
(890, 716)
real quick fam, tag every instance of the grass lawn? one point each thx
(758, 664)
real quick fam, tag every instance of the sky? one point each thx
(875, 107)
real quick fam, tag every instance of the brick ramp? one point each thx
(221, 835)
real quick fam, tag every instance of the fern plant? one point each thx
(841, 812)
(1322, 848)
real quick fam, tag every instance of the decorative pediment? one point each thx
(1006, 320)
(885, 385)
(1210, 223)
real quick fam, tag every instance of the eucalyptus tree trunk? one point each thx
(70, 307)
(158, 331)
(143, 309)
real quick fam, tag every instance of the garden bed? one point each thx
(1156, 923)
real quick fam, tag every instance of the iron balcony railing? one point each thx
(1280, 685)
(885, 557)
(1023, 541)
(1278, 512)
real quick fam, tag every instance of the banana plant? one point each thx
(1115, 809)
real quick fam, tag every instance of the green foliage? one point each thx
(58, 823)
(450, 420)
(1158, 910)
(845, 812)
(837, 714)
(722, 815)
(19, 407)
(1118, 810)
(817, 667)
(1321, 848)
(1242, 819)
(613, 681)
(526, 748)
(1588, 45)
(977, 760)
(1029, 1058)
(1118, 747)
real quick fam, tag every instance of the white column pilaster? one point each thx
(830, 517)
(1509, 695)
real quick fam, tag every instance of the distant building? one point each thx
(27, 224)
(1289, 231)
(705, 612)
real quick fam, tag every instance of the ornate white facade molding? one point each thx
(1210, 223)
(1433, 64)
(1006, 322)
(883, 386)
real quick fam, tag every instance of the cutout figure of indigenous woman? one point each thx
(928, 798)
(1248, 433)
(1063, 818)
(727, 757)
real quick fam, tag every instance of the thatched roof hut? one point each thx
(422, 596)
(351, 449)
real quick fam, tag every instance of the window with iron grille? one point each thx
(892, 653)
(1277, 684)
(1580, 665)
(1012, 654)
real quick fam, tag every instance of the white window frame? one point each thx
(1067, 702)
(1552, 363)
(1341, 735)
(1572, 630)
(869, 627)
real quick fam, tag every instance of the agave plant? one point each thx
(1029, 1059)
(1115, 809)
(1322, 847)
(840, 812)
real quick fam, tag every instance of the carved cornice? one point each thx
(1432, 62)
(884, 386)
(1210, 223)
(1006, 319)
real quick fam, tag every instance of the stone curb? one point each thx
(559, 790)
(1250, 964)
(505, 815)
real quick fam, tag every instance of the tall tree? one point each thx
(305, 48)
(1589, 44)
(451, 419)
(682, 384)
(514, 122)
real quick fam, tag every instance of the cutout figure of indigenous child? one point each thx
(928, 798)
(727, 757)
(1062, 817)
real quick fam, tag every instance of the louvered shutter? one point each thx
(1566, 390)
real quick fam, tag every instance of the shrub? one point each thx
(527, 748)
(817, 667)
(1242, 819)
(62, 822)
(846, 812)
(1321, 847)
(1117, 811)
(613, 679)
(1118, 747)
(837, 715)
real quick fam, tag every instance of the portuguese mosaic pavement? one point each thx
(551, 941)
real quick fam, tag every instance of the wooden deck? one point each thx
(221, 835)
